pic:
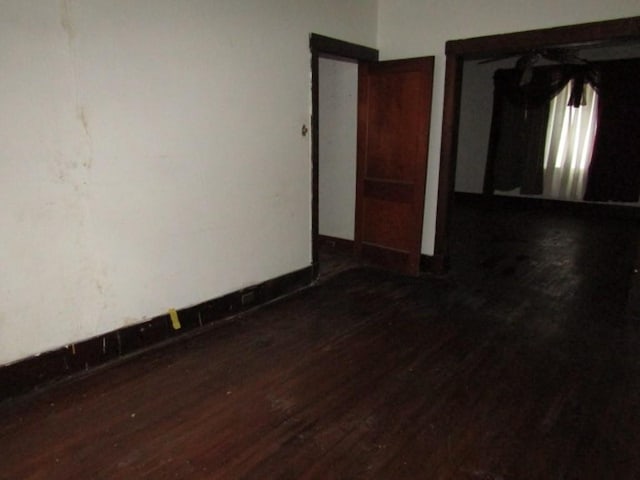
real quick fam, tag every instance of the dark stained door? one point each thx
(394, 109)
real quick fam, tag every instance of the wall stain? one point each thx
(81, 115)
(66, 21)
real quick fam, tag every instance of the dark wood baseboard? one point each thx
(42, 370)
(595, 209)
(434, 264)
(338, 244)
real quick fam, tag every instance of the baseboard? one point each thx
(42, 370)
(587, 209)
(337, 244)
(434, 264)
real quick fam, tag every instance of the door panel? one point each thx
(394, 108)
(384, 223)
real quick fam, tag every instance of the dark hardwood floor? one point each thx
(334, 260)
(522, 363)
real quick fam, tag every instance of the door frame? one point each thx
(322, 46)
(457, 51)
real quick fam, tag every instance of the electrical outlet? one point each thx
(248, 298)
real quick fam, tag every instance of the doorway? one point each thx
(338, 123)
(333, 180)
(392, 135)
(457, 51)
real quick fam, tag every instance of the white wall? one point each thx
(338, 109)
(151, 155)
(476, 107)
(421, 27)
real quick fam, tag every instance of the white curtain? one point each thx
(569, 143)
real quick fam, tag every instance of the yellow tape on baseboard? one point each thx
(175, 321)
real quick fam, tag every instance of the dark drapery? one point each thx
(614, 174)
(519, 123)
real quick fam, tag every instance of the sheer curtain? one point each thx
(569, 143)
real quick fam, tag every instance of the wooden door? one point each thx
(394, 109)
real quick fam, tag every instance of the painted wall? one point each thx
(151, 155)
(338, 109)
(421, 27)
(476, 106)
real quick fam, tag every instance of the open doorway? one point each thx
(458, 51)
(392, 136)
(334, 87)
(338, 123)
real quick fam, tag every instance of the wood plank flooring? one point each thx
(522, 363)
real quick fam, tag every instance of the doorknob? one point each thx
(304, 130)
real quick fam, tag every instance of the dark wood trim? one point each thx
(363, 96)
(338, 244)
(591, 34)
(322, 46)
(433, 264)
(586, 34)
(315, 160)
(582, 209)
(448, 151)
(43, 370)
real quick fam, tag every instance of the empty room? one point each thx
(320, 239)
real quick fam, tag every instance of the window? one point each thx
(569, 143)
